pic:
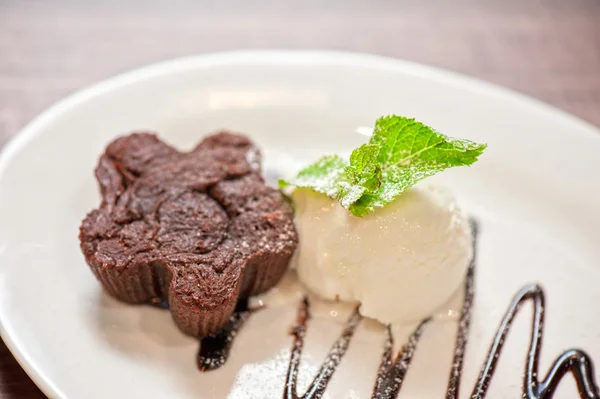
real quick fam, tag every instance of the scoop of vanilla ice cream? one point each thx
(400, 262)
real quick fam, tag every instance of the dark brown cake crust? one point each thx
(200, 229)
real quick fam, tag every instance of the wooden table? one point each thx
(549, 49)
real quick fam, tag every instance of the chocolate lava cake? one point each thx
(198, 229)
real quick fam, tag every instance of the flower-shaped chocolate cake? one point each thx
(198, 229)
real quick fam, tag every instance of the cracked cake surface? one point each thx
(199, 229)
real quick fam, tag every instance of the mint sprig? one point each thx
(400, 153)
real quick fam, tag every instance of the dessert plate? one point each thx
(534, 195)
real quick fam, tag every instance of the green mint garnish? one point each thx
(400, 153)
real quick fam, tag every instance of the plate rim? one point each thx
(258, 57)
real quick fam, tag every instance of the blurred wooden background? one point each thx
(549, 49)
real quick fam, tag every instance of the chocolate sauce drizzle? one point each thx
(391, 373)
(575, 361)
(214, 349)
(464, 323)
(332, 360)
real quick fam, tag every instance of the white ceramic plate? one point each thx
(535, 192)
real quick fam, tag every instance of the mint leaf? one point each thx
(363, 175)
(321, 176)
(409, 152)
(400, 153)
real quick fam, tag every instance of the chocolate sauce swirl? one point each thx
(391, 372)
(214, 349)
(332, 360)
(464, 323)
(575, 361)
